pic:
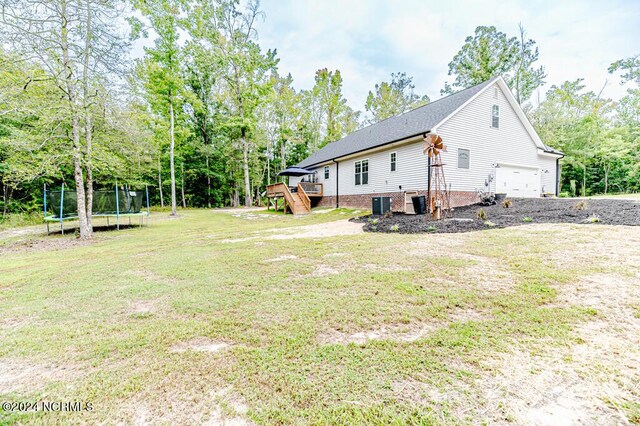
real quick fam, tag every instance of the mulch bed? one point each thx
(523, 211)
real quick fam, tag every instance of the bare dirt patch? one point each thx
(143, 307)
(521, 212)
(200, 344)
(320, 230)
(52, 243)
(282, 258)
(24, 376)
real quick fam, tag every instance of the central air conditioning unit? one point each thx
(380, 205)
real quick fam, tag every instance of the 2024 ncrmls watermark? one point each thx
(46, 406)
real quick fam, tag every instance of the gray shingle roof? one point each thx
(411, 123)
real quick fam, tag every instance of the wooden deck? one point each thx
(297, 202)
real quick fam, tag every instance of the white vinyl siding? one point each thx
(512, 144)
(467, 129)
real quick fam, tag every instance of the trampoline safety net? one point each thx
(104, 202)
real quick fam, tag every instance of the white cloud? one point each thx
(367, 40)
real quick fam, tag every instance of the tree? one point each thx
(490, 53)
(339, 119)
(74, 42)
(526, 78)
(161, 70)
(393, 98)
(231, 33)
(574, 122)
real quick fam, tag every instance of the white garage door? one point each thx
(518, 181)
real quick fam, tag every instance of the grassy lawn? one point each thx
(224, 317)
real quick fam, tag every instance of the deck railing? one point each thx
(281, 190)
(304, 197)
(311, 188)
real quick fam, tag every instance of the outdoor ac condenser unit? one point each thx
(380, 205)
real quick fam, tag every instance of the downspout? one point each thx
(337, 184)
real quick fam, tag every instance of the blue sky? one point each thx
(368, 40)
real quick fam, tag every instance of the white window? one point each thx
(463, 158)
(362, 172)
(326, 172)
(495, 116)
(392, 157)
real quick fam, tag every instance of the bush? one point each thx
(431, 228)
(506, 204)
(593, 219)
(581, 205)
(482, 215)
(395, 228)
(489, 224)
(527, 219)
(564, 194)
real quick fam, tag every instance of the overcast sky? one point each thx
(367, 40)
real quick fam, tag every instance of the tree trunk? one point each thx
(245, 165)
(606, 179)
(85, 230)
(5, 200)
(160, 182)
(584, 181)
(174, 210)
(88, 130)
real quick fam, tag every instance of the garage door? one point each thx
(518, 181)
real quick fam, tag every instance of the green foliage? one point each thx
(490, 53)
(527, 219)
(482, 214)
(393, 98)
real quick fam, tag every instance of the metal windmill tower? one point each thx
(438, 206)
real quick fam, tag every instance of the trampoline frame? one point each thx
(52, 218)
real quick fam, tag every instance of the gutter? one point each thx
(367, 149)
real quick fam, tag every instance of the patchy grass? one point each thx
(222, 315)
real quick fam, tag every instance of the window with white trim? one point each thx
(392, 159)
(326, 172)
(495, 116)
(362, 172)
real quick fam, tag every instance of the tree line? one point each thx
(207, 118)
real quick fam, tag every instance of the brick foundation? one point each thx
(363, 201)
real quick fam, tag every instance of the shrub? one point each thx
(593, 219)
(431, 228)
(395, 228)
(527, 219)
(482, 215)
(506, 204)
(581, 205)
(489, 224)
(564, 194)
(388, 214)
(373, 221)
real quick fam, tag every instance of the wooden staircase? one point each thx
(296, 202)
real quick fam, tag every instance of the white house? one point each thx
(491, 146)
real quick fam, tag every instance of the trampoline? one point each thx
(61, 205)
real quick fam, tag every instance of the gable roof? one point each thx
(393, 129)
